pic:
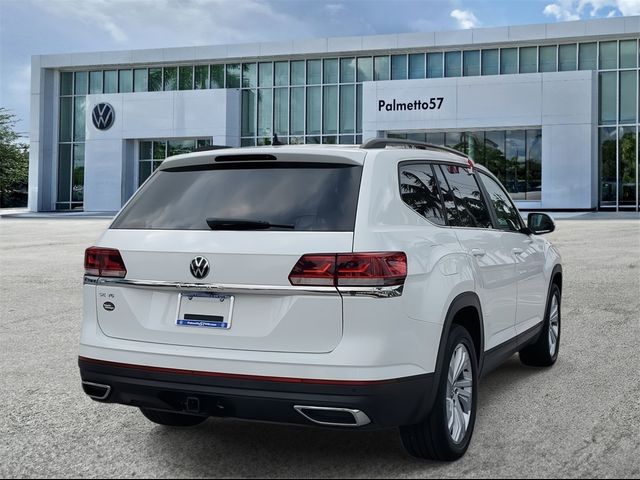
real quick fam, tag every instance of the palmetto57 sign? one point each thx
(103, 116)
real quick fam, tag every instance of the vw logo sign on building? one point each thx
(200, 267)
(103, 116)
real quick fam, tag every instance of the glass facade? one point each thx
(514, 156)
(151, 153)
(319, 100)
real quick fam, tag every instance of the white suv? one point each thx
(351, 287)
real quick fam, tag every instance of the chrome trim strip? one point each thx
(360, 418)
(373, 292)
(99, 385)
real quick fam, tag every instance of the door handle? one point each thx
(478, 252)
(518, 251)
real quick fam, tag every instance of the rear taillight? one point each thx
(104, 262)
(377, 269)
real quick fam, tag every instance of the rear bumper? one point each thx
(386, 404)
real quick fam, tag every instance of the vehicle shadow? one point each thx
(232, 448)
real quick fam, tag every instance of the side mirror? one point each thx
(540, 223)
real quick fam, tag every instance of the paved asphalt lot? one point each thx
(579, 419)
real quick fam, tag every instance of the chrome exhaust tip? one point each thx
(96, 391)
(333, 417)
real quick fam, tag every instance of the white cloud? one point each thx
(575, 9)
(334, 8)
(465, 18)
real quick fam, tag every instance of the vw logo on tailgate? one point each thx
(200, 267)
(103, 116)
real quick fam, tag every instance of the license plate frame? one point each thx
(209, 310)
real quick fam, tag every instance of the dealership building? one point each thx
(551, 109)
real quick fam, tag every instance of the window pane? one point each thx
(567, 57)
(155, 79)
(95, 82)
(179, 147)
(77, 189)
(331, 70)
(358, 108)
(506, 212)
(204, 142)
(66, 119)
(314, 106)
(201, 77)
(494, 153)
(145, 151)
(248, 112)
(435, 138)
(81, 83)
(548, 59)
(159, 150)
(265, 106)
(66, 83)
(365, 69)
(347, 70)
(608, 55)
(170, 78)
(455, 140)
(233, 76)
(125, 81)
(330, 110)
(628, 54)
(347, 109)
(297, 111)
(471, 63)
(435, 68)
(185, 76)
(78, 119)
(475, 145)
(217, 76)
(144, 171)
(314, 68)
(534, 165)
(528, 59)
(416, 65)
(453, 66)
(587, 56)
(297, 72)
(516, 156)
(281, 111)
(398, 67)
(508, 61)
(608, 164)
(111, 81)
(419, 190)
(464, 204)
(627, 166)
(381, 68)
(490, 62)
(628, 97)
(265, 74)
(608, 92)
(249, 75)
(64, 173)
(140, 80)
(281, 74)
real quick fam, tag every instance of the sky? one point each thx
(34, 27)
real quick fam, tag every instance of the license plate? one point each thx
(205, 310)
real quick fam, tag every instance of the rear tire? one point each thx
(544, 352)
(170, 419)
(446, 433)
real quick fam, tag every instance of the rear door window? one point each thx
(507, 214)
(419, 190)
(305, 196)
(464, 202)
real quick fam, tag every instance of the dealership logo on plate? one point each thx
(103, 116)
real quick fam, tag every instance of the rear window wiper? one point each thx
(232, 224)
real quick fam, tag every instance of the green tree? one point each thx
(14, 162)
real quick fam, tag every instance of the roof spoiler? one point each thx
(376, 143)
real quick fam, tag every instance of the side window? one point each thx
(419, 190)
(506, 212)
(464, 203)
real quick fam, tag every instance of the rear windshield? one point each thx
(306, 196)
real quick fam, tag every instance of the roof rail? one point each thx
(384, 142)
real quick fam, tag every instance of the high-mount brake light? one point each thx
(104, 262)
(374, 269)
